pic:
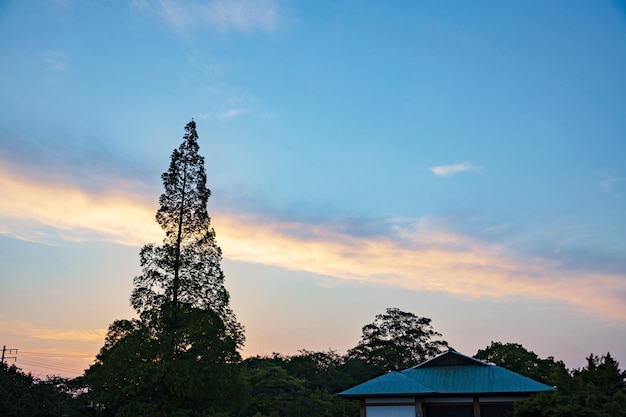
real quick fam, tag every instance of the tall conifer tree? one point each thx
(180, 358)
(185, 269)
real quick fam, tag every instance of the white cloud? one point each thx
(229, 114)
(225, 115)
(57, 61)
(32, 209)
(139, 5)
(69, 334)
(449, 170)
(498, 228)
(226, 15)
(421, 257)
(244, 15)
(611, 186)
(63, 3)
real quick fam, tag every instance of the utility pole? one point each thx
(10, 352)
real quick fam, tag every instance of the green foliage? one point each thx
(597, 390)
(23, 395)
(180, 357)
(397, 340)
(301, 385)
(186, 268)
(274, 391)
(516, 358)
(137, 373)
(318, 370)
(306, 384)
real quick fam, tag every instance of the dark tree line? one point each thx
(22, 395)
(135, 373)
(180, 357)
(595, 390)
(305, 384)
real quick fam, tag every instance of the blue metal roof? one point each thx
(446, 374)
(392, 383)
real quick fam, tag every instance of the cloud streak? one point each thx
(57, 61)
(69, 335)
(422, 257)
(225, 115)
(244, 16)
(611, 186)
(30, 207)
(449, 170)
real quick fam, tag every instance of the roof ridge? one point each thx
(449, 352)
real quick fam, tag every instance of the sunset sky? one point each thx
(463, 161)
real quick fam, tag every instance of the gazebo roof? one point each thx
(392, 382)
(450, 373)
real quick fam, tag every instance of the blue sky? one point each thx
(465, 162)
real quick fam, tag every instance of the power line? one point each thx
(51, 367)
(39, 362)
(60, 366)
(59, 355)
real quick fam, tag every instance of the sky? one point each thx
(462, 161)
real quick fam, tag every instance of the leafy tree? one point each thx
(397, 340)
(180, 357)
(516, 358)
(136, 372)
(597, 390)
(186, 267)
(273, 391)
(306, 384)
(317, 370)
(23, 395)
(299, 385)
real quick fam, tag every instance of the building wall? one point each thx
(438, 407)
(390, 411)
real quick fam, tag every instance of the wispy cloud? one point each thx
(31, 207)
(229, 114)
(63, 3)
(70, 335)
(612, 186)
(225, 115)
(422, 256)
(141, 6)
(56, 61)
(449, 170)
(244, 16)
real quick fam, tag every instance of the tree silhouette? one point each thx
(180, 357)
(185, 269)
(397, 340)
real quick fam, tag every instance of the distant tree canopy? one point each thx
(397, 340)
(137, 373)
(597, 390)
(516, 358)
(302, 385)
(23, 395)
